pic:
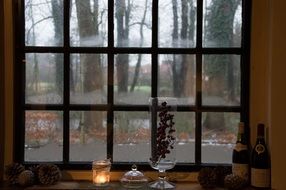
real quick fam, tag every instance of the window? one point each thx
(85, 69)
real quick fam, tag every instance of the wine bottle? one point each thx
(260, 161)
(240, 155)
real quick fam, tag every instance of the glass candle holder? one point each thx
(101, 172)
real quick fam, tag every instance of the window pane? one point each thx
(43, 136)
(44, 78)
(132, 137)
(87, 135)
(218, 136)
(222, 23)
(44, 23)
(177, 23)
(185, 131)
(132, 78)
(88, 23)
(132, 23)
(221, 80)
(177, 77)
(88, 80)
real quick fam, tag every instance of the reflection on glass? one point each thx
(132, 23)
(43, 136)
(44, 78)
(177, 77)
(218, 136)
(222, 23)
(132, 80)
(88, 23)
(132, 137)
(177, 23)
(44, 23)
(221, 80)
(87, 135)
(88, 83)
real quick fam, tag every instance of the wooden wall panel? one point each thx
(1, 89)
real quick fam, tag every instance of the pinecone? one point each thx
(49, 174)
(35, 170)
(26, 178)
(234, 182)
(12, 172)
(207, 178)
(221, 172)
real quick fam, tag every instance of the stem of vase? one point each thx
(162, 175)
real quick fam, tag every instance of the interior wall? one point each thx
(278, 93)
(1, 90)
(8, 84)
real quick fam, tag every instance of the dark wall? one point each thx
(1, 89)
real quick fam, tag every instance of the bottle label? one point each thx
(260, 177)
(259, 148)
(239, 147)
(240, 170)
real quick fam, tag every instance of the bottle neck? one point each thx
(241, 138)
(260, 133)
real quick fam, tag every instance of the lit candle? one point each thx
(101, 178)
(101, 172)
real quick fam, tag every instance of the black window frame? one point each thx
(19, 82)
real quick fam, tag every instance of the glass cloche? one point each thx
(133, 179)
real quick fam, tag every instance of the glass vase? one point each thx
(163, 138)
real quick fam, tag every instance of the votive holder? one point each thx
(101, 172)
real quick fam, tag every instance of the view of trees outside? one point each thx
(132, 75)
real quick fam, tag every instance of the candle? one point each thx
(101, 172)
(101, 178)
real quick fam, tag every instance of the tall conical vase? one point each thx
(163, 138)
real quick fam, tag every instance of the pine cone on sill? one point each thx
(49, 174)
(12, 172)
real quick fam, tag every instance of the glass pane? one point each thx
(177, 23)
(132, 23)
(88, 135)
(88, 80)
(44, 23)
(222, 22)
(177, 77)
(88, 23)
(218, 136)
(44, 78)
(221, 80)
(132, 137)
(43, 136)
(132, 78)
(185, 127)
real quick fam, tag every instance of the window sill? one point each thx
(84, 185)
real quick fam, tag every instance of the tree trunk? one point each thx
(57, 12)
(122, 60)
(138, 64)
(91, 63)
(220, 29)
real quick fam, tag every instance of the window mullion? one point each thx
(110, 89)
(198, 137)
(66, 132)
(154, 72)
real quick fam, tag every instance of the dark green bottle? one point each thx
(260, 161)
(240, 155)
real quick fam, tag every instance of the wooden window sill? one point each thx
(84, 185)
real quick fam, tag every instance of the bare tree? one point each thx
(138, 64)
(122, 60)
(91, 64)
(182, 65)
(220, 32)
